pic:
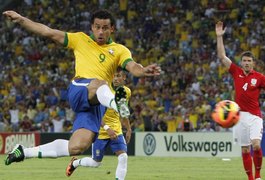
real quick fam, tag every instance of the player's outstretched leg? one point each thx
(16, 155)
(70, 168)
(122, 105)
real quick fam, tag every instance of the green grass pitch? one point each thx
(139, 168)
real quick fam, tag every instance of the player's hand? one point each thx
(219, 29)
(112, 134)
(13, 16)
(128, 135)
(152, 70)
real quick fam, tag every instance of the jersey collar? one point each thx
(92, 36)
(113, 87)
(251, 72)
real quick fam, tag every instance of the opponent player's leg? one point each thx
(54, 149)
(120, 148)
(98, 149)
(241, 136)
(107, 98)
(256, 130)
(257, 157)
(247, 161)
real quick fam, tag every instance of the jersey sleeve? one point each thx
(71, 40)
(263, 81)
(232, 68)
(125, 57)
(128, 93)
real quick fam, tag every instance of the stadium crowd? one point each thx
(173, 33)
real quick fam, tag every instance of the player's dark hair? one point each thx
(102, 14)
(248, 54)
(119, 69)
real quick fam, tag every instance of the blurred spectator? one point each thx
(137, 123)
(31, 101)
(57, 123)
(207, 128)
(69, 114)
(159, 122)
(193, 117)
(185, 124)
(39, 118)
(46, 126)
(67, 126)
(31, 112)
(14, 112)
(146, 114)
(52, 98)
(25, 125)
(171, 121)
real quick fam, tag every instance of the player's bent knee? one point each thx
(76, 149)
(80, 141)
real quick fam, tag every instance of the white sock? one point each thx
(86, 162)
(121, 170)
(106, 97)
(56, 148)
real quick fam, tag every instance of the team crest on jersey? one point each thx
(253, 82)
(111, 51)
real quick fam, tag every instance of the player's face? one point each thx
(247, 63)
(102, 30)
(118, 79)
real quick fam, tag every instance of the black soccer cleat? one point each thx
(16, 155)
(122, 105)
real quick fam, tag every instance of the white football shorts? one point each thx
(249, 127)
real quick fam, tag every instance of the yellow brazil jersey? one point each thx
(172, 125)
(93, 60)
(112, 119)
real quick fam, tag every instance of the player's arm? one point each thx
(138, 70)
(37, 28)
(220, 44)
(110, 131)
(127, 125)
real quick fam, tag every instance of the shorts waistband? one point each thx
(81, 82)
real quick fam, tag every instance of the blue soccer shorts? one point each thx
(100, 145)
(86, 116)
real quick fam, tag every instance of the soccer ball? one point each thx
(226, 113)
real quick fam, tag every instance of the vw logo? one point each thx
(149, 144)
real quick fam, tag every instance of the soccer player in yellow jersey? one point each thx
(96, 59)
(110, 134)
